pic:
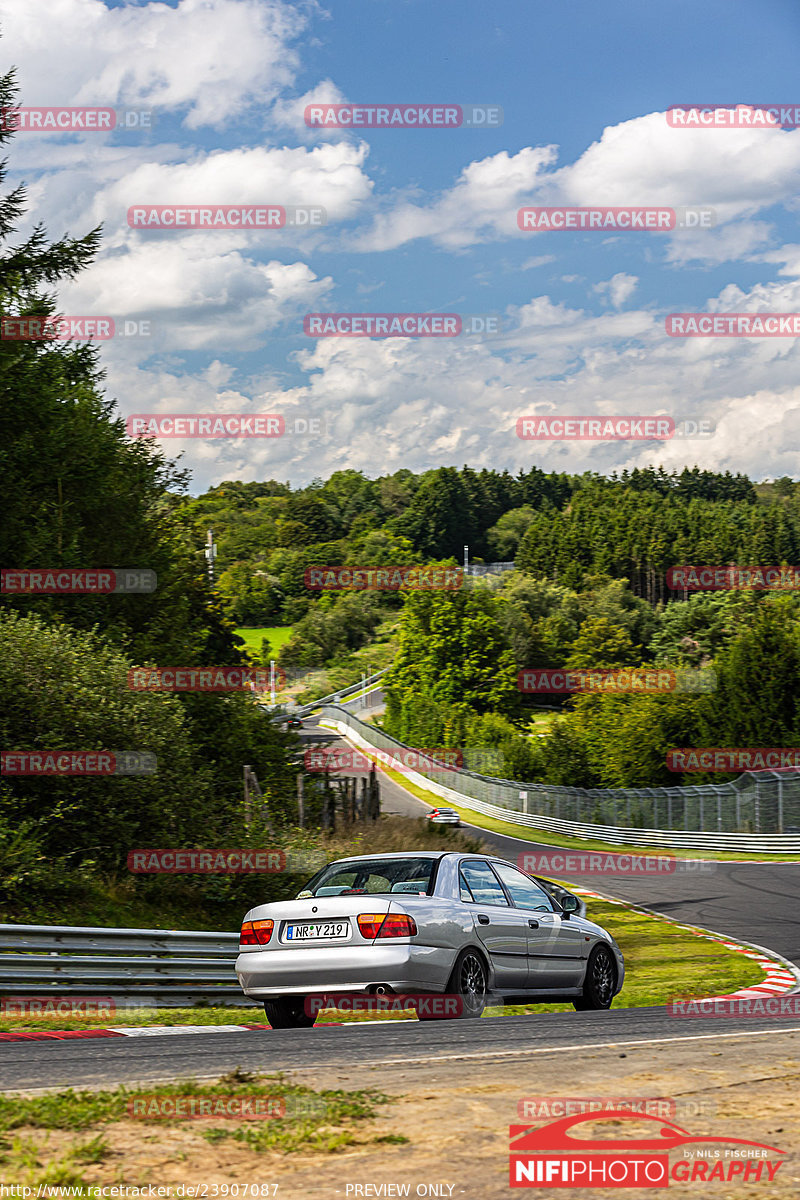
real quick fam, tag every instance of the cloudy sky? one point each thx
(425, 221)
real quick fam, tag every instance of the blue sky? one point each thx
(424, 221)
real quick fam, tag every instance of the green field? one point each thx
(278, 636)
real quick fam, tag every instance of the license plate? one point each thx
(309, 931)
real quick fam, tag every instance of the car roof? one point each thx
(434, 854)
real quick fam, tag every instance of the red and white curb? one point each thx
(781, 975)
(61, 1035)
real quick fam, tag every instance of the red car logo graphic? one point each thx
(555, 1136)
(549, 1156)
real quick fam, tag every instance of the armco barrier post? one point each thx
(780, 805)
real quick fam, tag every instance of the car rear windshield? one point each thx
(376, 877)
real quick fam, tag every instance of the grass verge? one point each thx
(42, 1138)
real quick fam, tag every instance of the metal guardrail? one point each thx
(335, 697)
(304, 710)
(137, 966)
(758, 811)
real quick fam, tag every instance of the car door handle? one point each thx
(483, 920)
(533, 924)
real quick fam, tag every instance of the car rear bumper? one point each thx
(402, 966)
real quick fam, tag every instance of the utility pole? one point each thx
(466, 561)
(272, 681)
(211, 554)
(363, 690)
(248, 811)
(300, 799)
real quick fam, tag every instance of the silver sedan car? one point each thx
(470, 925)
(444, 816)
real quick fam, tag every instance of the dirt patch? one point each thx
(457, 1120)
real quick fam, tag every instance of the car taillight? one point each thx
(256, 933)
(398, 925)
(381, 925)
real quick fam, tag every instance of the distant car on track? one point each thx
(469, 925)
(444, 816)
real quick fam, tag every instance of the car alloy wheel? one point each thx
(601, 978)
(470, 981)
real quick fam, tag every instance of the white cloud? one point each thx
(618, 288)
(417, 403)
(213, 59)
(788, 256)
(195, 297)
(330, 175)
(483, 202)
(291, 113)
(638, 162)
(538, 260)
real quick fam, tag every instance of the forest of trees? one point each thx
(79, 493)
(589, 590)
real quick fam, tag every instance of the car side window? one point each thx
(482, 882)
(466, 894)
(524, 892)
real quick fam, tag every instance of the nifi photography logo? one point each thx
(551, 1156)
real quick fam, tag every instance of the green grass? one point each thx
(540, 722)
(278, 636)
(323, 1121)
(221, 1015)
(380, 652)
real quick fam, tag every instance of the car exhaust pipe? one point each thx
(380, 990)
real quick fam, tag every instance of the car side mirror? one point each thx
(569, 904)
